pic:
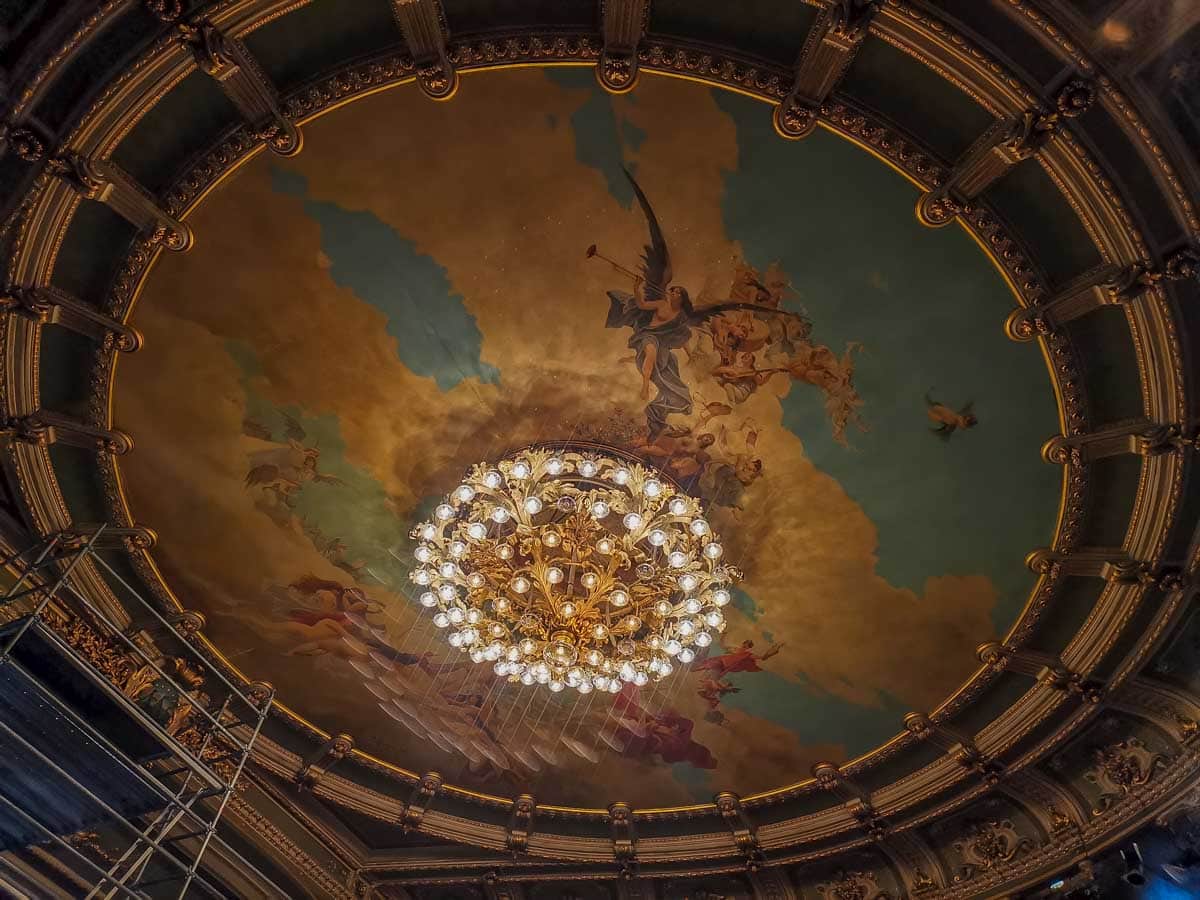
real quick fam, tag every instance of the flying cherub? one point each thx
(288, 466)
(946, 420)
(662, 317)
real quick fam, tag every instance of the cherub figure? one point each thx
(946, 420)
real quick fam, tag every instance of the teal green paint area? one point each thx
(601, 139)
(927, 307)
(345, 517)
(435, 334)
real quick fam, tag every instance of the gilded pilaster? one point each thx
(228, 62)
(623, 23)
(1045, 668)
(51, 306)
(1107, 286)
(105, 182)
(42, 428)
(829, 48)
(1004, 145)
(958, 745)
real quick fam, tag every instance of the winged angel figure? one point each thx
(662, 317)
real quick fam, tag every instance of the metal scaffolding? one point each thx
(186, 782)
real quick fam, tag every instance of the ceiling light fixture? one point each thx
(573, 568)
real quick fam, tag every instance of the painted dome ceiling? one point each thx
(401, 301)
(930, 376)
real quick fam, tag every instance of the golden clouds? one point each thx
(492, 188)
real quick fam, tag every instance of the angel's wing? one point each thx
(292, 429)
(929, 401)
(264, 474)
(656, 259)
(968, 409)
(256, 429)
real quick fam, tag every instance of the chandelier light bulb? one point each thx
(578, 590)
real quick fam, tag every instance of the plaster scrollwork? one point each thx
(985, 846)
(852, 886)
(1120, 769)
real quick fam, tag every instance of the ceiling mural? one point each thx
(428, 287)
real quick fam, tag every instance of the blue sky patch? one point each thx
(436, 336)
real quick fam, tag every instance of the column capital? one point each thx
(1004, 144)
(229, 62)
(623, 23)
(423, 25)
(828, 50)
(105, 182)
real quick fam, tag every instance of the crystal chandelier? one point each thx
(572, 567)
